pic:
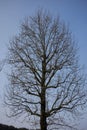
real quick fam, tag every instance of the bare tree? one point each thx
(45, 80)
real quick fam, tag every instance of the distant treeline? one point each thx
(6, 127)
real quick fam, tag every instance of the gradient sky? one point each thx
(13, 12)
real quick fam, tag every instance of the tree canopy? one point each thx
(45, 80)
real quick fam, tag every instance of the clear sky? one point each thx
(13, 12)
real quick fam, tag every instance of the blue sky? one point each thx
(13, 12)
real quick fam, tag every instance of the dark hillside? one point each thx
(6, 127)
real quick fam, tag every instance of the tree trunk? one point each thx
(43, 123)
